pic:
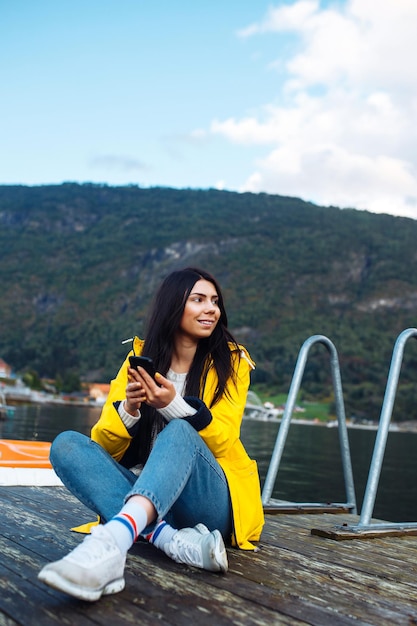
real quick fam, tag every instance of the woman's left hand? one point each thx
(159, 392)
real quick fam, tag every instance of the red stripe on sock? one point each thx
(132, 522)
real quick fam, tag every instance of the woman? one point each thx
(165, 460)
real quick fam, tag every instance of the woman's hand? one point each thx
(135, 392)
(143, 388)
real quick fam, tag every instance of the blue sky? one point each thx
(303, 98)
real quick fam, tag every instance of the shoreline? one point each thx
(40, 399)
(398, 427)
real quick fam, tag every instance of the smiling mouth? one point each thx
(206, 322)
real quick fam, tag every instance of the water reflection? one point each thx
(310, 470)
(44, 422)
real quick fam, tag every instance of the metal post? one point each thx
(286, 418)
(343, 434)
(384, 422)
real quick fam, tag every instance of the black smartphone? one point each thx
(143, 361)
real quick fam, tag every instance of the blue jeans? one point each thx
(181, 478)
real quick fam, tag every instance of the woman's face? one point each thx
(201, 311)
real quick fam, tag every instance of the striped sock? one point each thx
(161, 535)
(126, 526)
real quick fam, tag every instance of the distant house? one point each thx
(98, 392)
(5, 369)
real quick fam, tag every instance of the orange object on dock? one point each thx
(14, 453)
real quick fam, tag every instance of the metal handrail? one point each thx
(382, 435)
(286, 419)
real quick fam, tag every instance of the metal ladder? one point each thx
(276, 506)
(365, 526)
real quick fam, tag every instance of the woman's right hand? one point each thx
(135, 393)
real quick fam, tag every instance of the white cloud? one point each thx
(338, 177)
(342, 130)
(285, 18)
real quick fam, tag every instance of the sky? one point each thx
(306, 98)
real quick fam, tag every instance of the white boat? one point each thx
(255, 410)
(26, 463)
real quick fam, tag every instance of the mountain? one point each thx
(80, 263)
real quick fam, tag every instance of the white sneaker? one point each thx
(199, 547)
(92, 569)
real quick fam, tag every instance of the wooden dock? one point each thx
(295, 578)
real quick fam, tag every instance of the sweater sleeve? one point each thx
(128, 420)
(193, 410)
(178, 407)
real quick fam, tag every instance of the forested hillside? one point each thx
(79, 263)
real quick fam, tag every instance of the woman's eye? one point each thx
(200, 299)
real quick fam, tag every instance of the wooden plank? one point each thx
(317, 614)
(344, 588)
(23, 603)
(344, 534)
(156, 587)
(301, 509)
(295, 579)
(349, 578)
(391, 558)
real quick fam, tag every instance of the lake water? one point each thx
(310, 469)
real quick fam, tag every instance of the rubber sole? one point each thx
(55, 581)
(219, 552)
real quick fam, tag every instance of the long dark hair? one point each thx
(163, 323)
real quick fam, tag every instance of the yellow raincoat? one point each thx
(222, 436)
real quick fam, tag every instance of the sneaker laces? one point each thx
(93, 548)
(190, 552)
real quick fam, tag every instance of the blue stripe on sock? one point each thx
(124, 521)
(157, 531)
